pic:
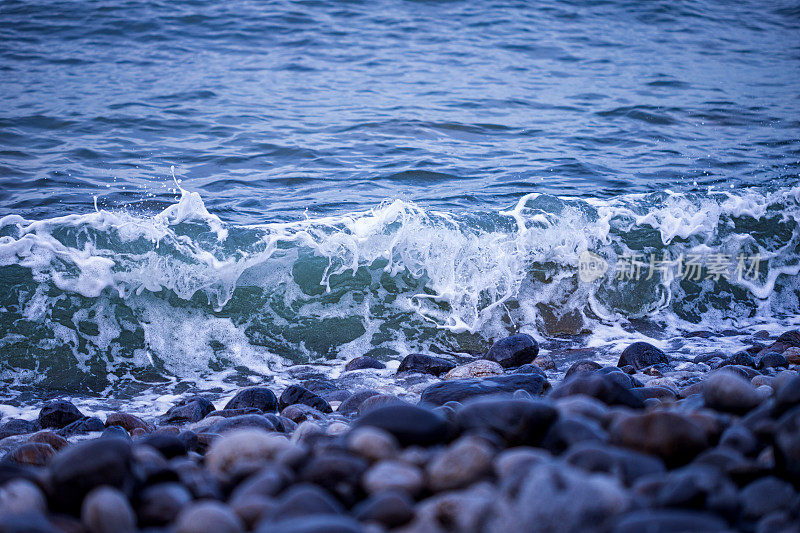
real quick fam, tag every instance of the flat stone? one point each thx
(17, 426)
(461, 389)
(363, 362)
(475, 369)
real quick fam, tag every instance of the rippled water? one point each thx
(381, 177)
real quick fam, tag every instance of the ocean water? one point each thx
(198, 195)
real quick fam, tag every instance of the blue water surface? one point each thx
(272, 108)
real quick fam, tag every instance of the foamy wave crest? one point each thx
(108, 297)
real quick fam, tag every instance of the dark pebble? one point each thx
(363, 362)
(409, 424)
(17, 426)
(169, 445)
(513, 351)
(530, 368)
(243, 421)
(669, 521)
(338, 472)
(127, 421)
(158, 505)
(314, 524)
(254, 397)
(192, 409)
(641, 355)
(767, 495)
(625, 465)
(378, 400)
(350, 406)
(459, 390)
(297, 394)
(305, 500)
(582, 366)
(84, 466)
(58, 413)
(425, 364)
(389, 508)
(670, 436)
(568, 431)
(84, 425)
(517, 422)
(602, 387)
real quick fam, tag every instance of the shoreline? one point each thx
(653, 441)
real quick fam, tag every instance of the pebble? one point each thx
(461, 389)
(372, 443)
(390, 509)
(160, 504)
(363, 362)
(393, 475)
(642, 355)
(475, 369)
(246, 449)
(462, 463)
(192, 409)
(21, 497)
(602, 387)
(33, 453)
(260, 398)
(545, 361)
(425, 364)
(517, 422)
(339, 472)
(582, 366)
(128, 422)
(208, 517)
(294, 394)
(85, 465)
(48, 437)
(17, 426)
(408, 424)
(670, 436)
(107, 510)
(378, 400)
(729, 392)
(58, 413)
(514, 351)
(350, 405)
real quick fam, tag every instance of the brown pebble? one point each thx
(545, 362)
(33, 453)
(128, 422)
(48, 437)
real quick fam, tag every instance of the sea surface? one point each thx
(198, 195)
